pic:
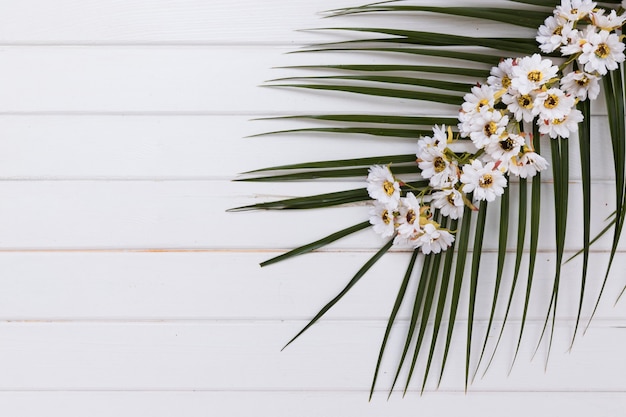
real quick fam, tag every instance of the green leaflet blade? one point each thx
(381, 92)
(519, 45)
(521, 238)
(584, 142)
(614, 92)
(317, 244)
(400, 81)
(489, 60)
(417, 308)
(392, 316)
(377, 118)
(463, 241)
(339, 163)
(502, 246)
(343, 292)
(372, 131)
(525, 18)
(319, 200)
(428, 303)
(330, 173)
(443, 295)
(475, 74)
(478, 246)
(535, 217)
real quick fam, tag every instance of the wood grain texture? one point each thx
(310, 404)
(127, 289)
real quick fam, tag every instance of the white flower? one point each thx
(408, 220)
(487, 126)
(382, 218)
(553, 33)
(433, 145)
(502, 74)
(505, 149)
(554, 104)
(437, 167)
(561, 127)
(522, 106)
(576, 39)
(480, 97)
(602, 52)
(485, 181)
(382, 186)
(574, 10)
(607, 22)
(532, 72)
(581, 84)
(433, 239)
(449, 202)
(528, 164)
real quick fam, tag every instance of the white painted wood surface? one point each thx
(125, 287)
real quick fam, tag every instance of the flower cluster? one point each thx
(495, 117)
(406, 217)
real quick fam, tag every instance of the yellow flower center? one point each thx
(574, 11)
(490, 128)
(558, 31)
(389, 188)
(535, 76)
(602, 51)
(525, 101)
(386, 217)
(557, 121)
(485, 181)
(439, 164)
(450, 198)
(506, 82)
(551, 102)
(410, 217)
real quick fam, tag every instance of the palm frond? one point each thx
(445, 67)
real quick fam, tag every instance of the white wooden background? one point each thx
(127, 290)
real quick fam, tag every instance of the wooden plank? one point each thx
(192, 215)
(198, 147)
(175, 286)
(246, 356)
(310, 404)
(246, 21)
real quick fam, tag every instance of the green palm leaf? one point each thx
(437, 57)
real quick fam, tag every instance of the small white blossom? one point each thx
(436, 144)
(408, 221)
(576, 39)
(382, 186)
(487, 126)
(502, 74)
(574, 10)
(382, 219)
(528, 164)
(554, 104)
(607, 22)
(522, 106)
(581, 84)
(486, 182)
(481, 96)
(532, 72)
(505, 149)
(603, 51)
(449, 202)
(561, 127)
(553, 33)
(433, 239)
